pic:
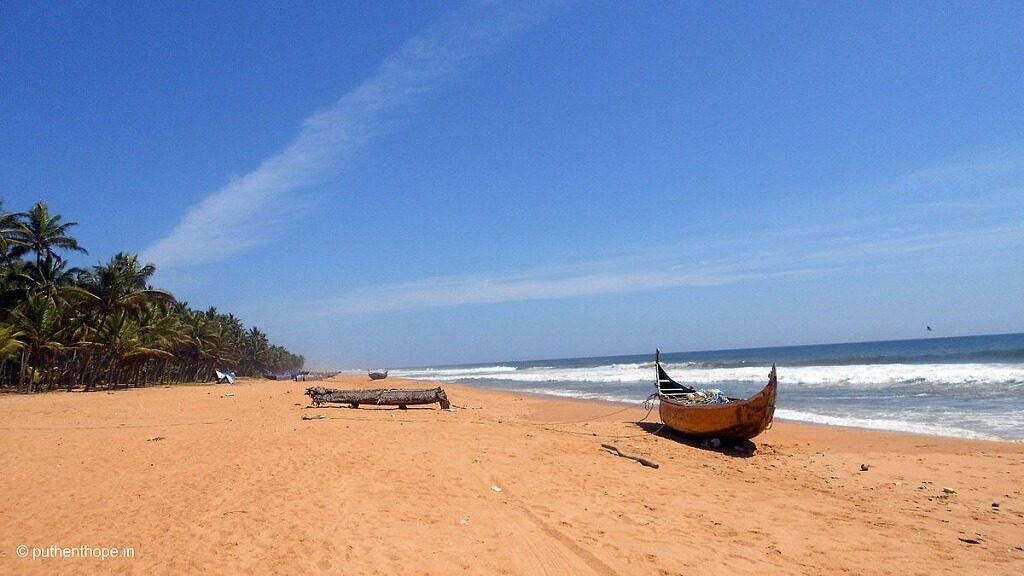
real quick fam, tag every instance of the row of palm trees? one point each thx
(105, 326)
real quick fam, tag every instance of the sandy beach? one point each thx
(232, 479)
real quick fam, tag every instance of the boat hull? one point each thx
(737, 420)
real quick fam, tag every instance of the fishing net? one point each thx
(712, 396)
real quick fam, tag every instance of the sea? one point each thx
(970, 387)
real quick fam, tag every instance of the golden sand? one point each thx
(232, 480)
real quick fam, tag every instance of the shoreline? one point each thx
(803, 425)
(228, 479)
(620, 406)
(554, 398)
(558, 397)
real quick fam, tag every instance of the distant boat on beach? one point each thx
(704, 415)
(378, 375)
(225, 377)
(292, 375)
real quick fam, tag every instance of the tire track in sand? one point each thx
(566, 542)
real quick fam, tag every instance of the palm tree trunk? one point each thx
(21, 370)
(71, 370)
(112, 375)
(30, 372)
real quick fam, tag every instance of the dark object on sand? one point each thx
(379, 375)
(225, 377)
(615, 450)
(736, 419)
(379, 396)
(295, 375)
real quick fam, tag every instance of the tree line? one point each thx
(106, 326)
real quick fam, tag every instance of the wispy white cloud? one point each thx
(625, 276)
(235, 218)
(912, 235)
(515, 287)
(968, 206)
(1007, 161)
(970, 191)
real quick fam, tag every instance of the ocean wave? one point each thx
(1004, 427)
(967, 387)
(581, 394)
(890, 424)
(868, 398)
(904, 375)
(620, 373)
(1005, 376)
(454, 373)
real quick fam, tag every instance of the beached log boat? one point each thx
(379, 375)
(737, 419)
(380, 397)
(292, 375)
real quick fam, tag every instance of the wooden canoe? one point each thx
(737, 419)
(381, 397)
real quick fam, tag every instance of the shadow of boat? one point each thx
(728, 447)
(368, 406)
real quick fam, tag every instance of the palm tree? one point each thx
(10, 346)
(8, 223)
(120, 284)
(202, 344)
(38, 319)
(160, 333)
(61, 326)
(51, 276)
(255, 346)
(113, 298)
(39, 232)
(9, 343)
(123, 341)
(11, 290)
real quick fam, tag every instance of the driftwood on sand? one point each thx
(615, 450)
(379, 396)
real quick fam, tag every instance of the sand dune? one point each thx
(231, 479)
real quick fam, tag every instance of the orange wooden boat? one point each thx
(736, 419)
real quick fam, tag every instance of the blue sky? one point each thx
(387, 185)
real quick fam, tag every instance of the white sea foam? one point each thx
(454, 373)
(894, 425)
(611, 373)
(580, 394)
(858, 376)
(969, 400)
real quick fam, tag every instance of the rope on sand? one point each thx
(646, 402)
